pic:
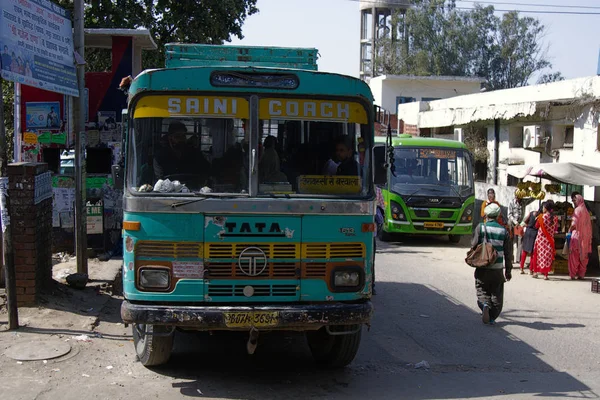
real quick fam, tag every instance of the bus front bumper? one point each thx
(266, 317)
(419, 228)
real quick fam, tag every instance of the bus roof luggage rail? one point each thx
(198, 55)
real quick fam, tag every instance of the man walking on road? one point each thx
(489, 281)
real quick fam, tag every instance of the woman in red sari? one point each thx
(544, 250)
(580, 245)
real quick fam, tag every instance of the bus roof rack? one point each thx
(199, 55)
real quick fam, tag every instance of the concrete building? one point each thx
(390, 91)
(554, 122)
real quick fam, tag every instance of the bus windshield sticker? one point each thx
(323, 184)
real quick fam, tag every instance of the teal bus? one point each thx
(430, 189)
(238, 216)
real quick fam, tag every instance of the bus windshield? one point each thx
(427, 171)
(300, 148)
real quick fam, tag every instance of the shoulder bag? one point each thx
(484, 255)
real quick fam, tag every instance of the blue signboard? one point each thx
(36, 45)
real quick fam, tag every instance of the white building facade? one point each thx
(555, 122)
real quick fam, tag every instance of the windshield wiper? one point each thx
(457, 192)
(205, 196)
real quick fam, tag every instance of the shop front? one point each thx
(557, 181)
(44, 133)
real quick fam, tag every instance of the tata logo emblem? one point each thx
(434, 213)
(434, 200)
(252, 261)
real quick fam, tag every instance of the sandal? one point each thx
(522, 272)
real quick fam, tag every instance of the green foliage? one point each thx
(191, 21)
(8, 94)
(551, 77)
(443, 40)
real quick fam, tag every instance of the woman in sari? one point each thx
(580, 245)
(544, 250)
(529, 240)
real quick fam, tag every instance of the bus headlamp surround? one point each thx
(468, 214)
(348, 279)
(154, 279)
(397, 211)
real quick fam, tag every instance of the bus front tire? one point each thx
(152, 350)
(385, 236)
(454, 238)
(333, 351)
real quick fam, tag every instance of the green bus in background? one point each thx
(429, 190)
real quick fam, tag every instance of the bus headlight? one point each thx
(467, 214)
(397, 211)
(155, 279)
(348, 279)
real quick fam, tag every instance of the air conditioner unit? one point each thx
(533, 136)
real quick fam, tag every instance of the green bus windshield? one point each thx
(432, 171)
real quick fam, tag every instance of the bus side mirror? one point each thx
(117, 176)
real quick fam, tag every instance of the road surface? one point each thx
(546, 344)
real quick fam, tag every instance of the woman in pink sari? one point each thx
(546, 224)
(580, 245)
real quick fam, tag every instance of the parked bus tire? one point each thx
(333, 351)
(152, 350)
(454, 238)
(385, 236)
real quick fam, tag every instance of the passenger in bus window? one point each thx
(345, 155)
(269, 168)
(176, 157)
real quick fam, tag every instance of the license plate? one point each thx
(437, 225)
(257, 319)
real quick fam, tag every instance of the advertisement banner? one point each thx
(42, 115)
(36, 45)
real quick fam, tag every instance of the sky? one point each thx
(333, 27)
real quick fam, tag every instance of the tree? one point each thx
(191, 21)
(550, 77)
(443, 40)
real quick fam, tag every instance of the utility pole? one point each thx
(7, 244)
(79, 127)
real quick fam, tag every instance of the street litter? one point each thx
(85, 375)
(56, 370)
(82, 338)
(45, 361)
(422, 365)
(109, 367)
(19, 362)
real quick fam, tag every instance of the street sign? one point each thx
(36, 45)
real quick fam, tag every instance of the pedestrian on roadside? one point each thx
(529, 237)
(515, 213)
(491, 193)
(544, 249)
(489, 281)
(580, 243)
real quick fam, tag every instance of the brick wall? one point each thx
(32, 231)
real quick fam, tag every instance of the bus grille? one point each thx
(333, 250)
(158, 249)
(259, 290)
(272, 250)
(225, 270)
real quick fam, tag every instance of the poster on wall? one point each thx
(36, 43)
(42, 115)
(94, 218)
(107, 120)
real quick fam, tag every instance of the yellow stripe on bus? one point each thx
(181, 106)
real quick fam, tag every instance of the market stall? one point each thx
(563, 177)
